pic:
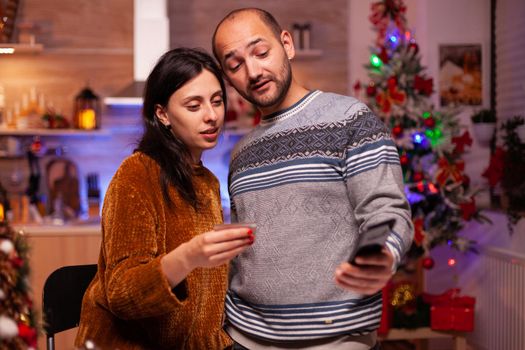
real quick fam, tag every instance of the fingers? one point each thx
(227, 235)
(368, 279)
(226, 256)
(222, 247)
(385, 258)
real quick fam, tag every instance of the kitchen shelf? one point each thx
(53, 132)
(14, 49)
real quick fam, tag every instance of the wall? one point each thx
(193, 23)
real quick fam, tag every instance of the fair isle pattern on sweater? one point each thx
(311, 177)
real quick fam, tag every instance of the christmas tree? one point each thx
(17, 320)
(430, 142)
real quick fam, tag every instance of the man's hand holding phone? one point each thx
(370, 267)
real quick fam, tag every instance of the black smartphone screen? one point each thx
(372, 241)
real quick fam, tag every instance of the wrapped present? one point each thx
(450, 311)
(386, 315)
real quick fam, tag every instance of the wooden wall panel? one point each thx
(84, 41)
(192, 24)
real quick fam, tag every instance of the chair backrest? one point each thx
(62, 297)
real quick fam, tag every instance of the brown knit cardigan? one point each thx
(129, 304)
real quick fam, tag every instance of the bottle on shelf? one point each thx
(3, 117)
(93, 195)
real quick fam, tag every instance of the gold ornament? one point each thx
(402, 295)
(25, 319)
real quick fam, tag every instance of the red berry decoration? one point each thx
(371, 90)
(428, 263)
(418, 176)
(404, 160)
(413, 47)
(430, 122)
(397, 131)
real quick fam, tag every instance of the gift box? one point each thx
(451, 312)
(386, 315)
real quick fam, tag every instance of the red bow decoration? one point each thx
(449, 170)
(419, 233)
(392, 95)
(494, 172)
(461, 141)
(424, 86)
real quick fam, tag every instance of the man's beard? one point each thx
(282, 86)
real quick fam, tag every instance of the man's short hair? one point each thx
(266, 17)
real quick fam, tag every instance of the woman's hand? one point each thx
(209, 249)
(215, 248)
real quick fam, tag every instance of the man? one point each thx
(318, 170)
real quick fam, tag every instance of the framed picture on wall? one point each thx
(460, 75)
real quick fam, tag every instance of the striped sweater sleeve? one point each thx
(374, 180)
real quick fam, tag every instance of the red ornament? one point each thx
(424, 86)
(397, 131)
(468, 209)
(413, 47)
(404, 160)
(429, 122)
(427, 263)
(371, 90)
(418, 176)
(383, 55)
(17, 262)
(28, 334)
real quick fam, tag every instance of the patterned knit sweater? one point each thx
(130, 305)
(311, 177)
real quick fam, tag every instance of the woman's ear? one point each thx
(287, 42)
(161, 115)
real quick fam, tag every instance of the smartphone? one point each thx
(250, 225)
(372, 241)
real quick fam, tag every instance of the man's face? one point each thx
(254, 60)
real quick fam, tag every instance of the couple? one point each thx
(318, 169)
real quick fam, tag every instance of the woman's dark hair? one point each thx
(174, 69)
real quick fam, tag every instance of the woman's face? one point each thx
(196, 113)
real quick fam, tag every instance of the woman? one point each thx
(161, 281)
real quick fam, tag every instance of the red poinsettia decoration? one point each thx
(424, 86)
(461, 141)
(28, 334)
(494, 172)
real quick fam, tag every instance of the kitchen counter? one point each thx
(54, 246)
(77, 229)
